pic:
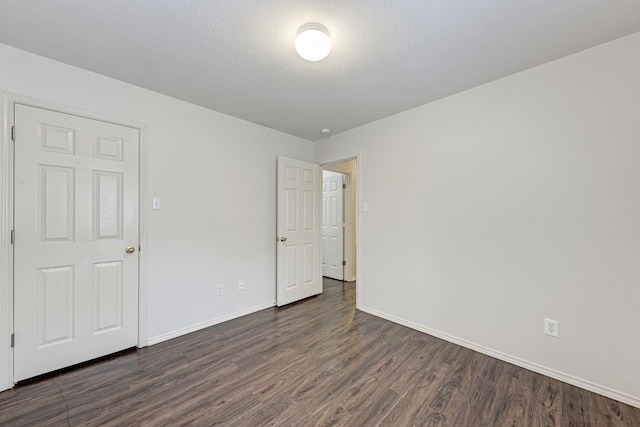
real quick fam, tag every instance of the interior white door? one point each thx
(299, 230)
(332, 225)
(76, 240)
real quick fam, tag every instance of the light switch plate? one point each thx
(157, 203)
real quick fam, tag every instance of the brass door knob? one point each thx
(130, 249)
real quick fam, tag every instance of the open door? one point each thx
(299, 228)
(333, 225)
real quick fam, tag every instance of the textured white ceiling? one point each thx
(237, 56)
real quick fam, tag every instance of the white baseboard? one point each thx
(569, 379)
(177, 333)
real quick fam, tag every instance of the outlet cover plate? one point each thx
(551, 328)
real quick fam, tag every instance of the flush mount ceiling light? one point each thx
(313, 42)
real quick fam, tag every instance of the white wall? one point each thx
(216, 176)
(511, 202)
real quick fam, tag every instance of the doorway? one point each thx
(347, 171)
(299, 244)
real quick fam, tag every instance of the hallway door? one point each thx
(333, 225)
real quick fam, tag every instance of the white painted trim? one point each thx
(360, 279)
(143, 259)
(177, 333)
(6, 252)
(347, 242)
(561, 376)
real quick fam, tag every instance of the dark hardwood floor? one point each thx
(316, 362)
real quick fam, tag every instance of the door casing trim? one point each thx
(7, 220)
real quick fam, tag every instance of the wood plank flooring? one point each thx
(318, 362)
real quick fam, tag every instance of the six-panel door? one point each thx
(299, 230)
(76, 212)
(332, 225)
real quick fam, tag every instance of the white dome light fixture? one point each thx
(313, 42)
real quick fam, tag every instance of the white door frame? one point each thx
(6, 224)
(358, 158)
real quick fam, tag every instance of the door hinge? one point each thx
(344, 262)
(13, 340)
(13, 133)
(344, 186)
(13, 237)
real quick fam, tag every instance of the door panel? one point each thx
(76, 204)
(56, 188)
(107, 193)
(299, 230)
(107, 296)
(55, 309)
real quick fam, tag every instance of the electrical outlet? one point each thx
(220, 290)
(551, 327)
(241, 285)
